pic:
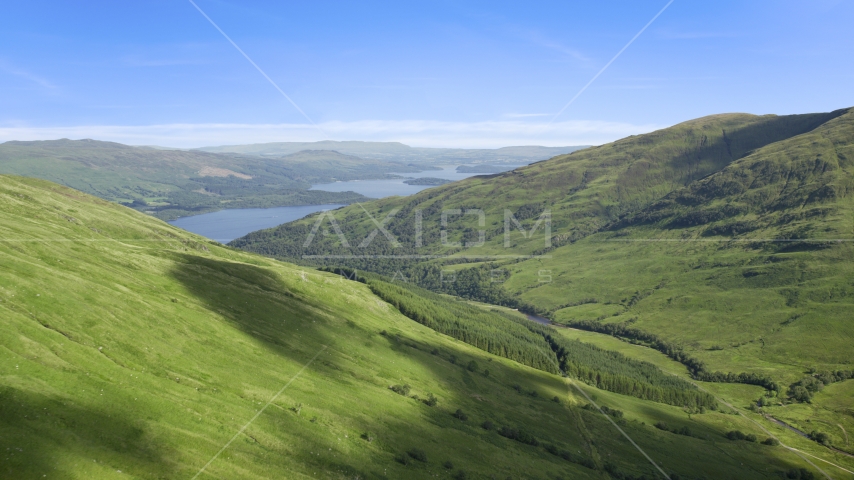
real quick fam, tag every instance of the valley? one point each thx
(634, 342)
(170, 370)
(718, 249)
(427, 240)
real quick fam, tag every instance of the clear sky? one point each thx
(438, 73)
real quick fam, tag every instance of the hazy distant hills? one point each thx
(483, 169)
(399, 152)
(172, 182)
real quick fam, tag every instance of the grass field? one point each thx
(133, 349)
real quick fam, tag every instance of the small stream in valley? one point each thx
(538, 319)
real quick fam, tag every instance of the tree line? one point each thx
(614, 372)
(532, 344)
(696, 367)
(803, 390)
(486, 330)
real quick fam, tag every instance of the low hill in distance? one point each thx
(132, 348)
(398, 152)
(170, 183)
(427, 181)
(488, 169)
(173, 183)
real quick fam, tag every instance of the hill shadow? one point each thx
(740, 142)
(36, 431)
(257, 302)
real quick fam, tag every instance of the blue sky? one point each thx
(455, 73)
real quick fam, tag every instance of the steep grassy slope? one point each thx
(133, 349)
(535, 345)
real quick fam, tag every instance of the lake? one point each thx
(226, 225)
(388, 188)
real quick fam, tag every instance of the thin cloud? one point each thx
(423, 133)
(570, 52)
(20, 72)
(627, 87)
(539, 39)
(525, 115)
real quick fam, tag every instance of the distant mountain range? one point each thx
(398, 152)
(174, 183)
(171, 183)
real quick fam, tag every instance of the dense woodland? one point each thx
(696, 367)
(493, 332)
(803, 390)
(535, 345)
(615, 372)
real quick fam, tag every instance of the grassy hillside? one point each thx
(133, 349)
(532, 344)
(742, 267)
(584, 191)
(711, 180)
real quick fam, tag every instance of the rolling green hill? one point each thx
(725, 242)
(133, 349)
(584, 191)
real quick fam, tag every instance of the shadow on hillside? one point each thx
(256, 301)
(39, 434)
(740, 142)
